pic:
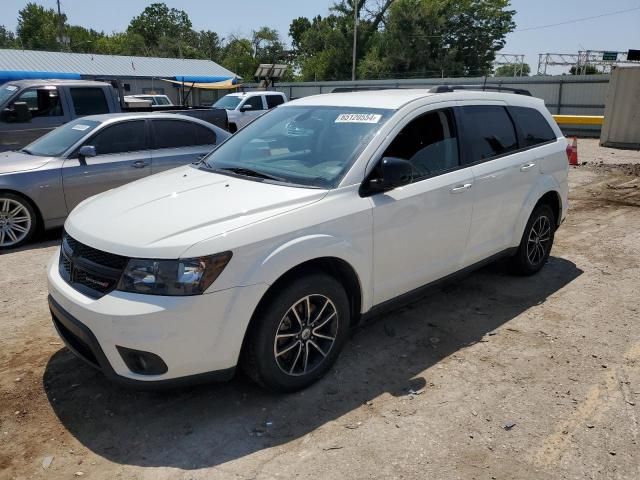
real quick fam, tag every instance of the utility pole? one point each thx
(61, 38)
(355, 38)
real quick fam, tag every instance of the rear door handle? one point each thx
(527, 166)
(139, 164)
(460, 188)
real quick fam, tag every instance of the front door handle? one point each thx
(139, 164)
(527, 166)
(460, 188)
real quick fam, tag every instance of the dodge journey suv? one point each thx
(315, 215)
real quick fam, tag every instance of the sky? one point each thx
(612, 32)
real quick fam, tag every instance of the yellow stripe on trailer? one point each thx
(579, 119)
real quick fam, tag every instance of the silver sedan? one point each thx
(43, 182)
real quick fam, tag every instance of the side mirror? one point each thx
(245, 107)
(86, 151)
(395, 172)
(21, 112)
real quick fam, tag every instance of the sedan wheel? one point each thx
(17, 221)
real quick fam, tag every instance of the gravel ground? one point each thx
(493, 377)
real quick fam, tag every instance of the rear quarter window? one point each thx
(488, 132)
(274, 100)
(534, 128)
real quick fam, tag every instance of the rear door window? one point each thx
(255, 102)
(89, 101)
(534, 128)
(174, 134)
(204, 136)
(274, 100)
(488, 132)
(120, 138)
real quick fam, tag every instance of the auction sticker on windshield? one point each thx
(81, 127)
(358, 118)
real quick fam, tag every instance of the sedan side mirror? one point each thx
(86, 151)
(393, 172)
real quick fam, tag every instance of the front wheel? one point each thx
(17, 221)
(298, 334)
(536, 242)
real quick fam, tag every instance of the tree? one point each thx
(38, 27)
(82, 39)
(158, 22)
(584, 70)
(238, 57)
(513, 70)
(7, 38)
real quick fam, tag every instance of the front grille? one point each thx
(90, 271)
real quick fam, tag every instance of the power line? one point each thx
(576, 20)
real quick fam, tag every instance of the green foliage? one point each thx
(158, 21)
(7, 38)
(586, 70)
(38, 28)
(513, 70)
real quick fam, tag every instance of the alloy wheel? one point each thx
(15, 222)
(539, 240)
(305, 335)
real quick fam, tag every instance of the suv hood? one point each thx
(163, 215)
(12, 162)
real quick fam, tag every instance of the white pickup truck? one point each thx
(243, 107)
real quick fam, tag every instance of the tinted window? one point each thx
(274, 100)
(533, 126)
(174, 133)
(255, 102)
(89, 101)
(429, 142)
(123, 137)
(488, 132)
(204, 136)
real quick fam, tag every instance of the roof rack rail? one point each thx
(452, 88)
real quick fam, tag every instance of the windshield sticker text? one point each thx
(358, 118)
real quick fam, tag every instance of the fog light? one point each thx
(142, 363)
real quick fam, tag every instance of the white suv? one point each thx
(244, 107)
(314, 216)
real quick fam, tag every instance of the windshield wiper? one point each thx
(247, 172)
(28, 152)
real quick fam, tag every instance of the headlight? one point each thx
(190, 276)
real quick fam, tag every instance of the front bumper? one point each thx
(198, 337)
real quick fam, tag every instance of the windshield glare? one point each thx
(6, 91)
(310, 146)
(58, 141)
(227, 102)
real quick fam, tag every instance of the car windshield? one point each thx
(58, 141)
(307, 145)
(227, 102)
(6, 91)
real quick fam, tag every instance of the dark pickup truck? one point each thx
(31, 108)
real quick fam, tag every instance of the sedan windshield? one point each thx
(227, 102)
(310, 146)
(55, 143)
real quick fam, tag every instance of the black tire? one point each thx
(267, 360)
(16, 214)
(536, 243)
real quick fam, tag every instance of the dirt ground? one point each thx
(493, 377)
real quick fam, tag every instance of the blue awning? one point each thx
(12, 75)
(203, 79)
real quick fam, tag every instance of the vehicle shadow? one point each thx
(209, 425)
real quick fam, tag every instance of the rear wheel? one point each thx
(17, 221)
(298, 335)
(536, 242)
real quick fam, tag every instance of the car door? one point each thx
(420, 230)
(251, 108)
(503, 176)
(122, 157)
(45, 112)
(179, 142)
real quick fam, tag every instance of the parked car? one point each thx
(156, 100)
(316, 215)
(31, 108)
(243, 107)
(43, 182)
